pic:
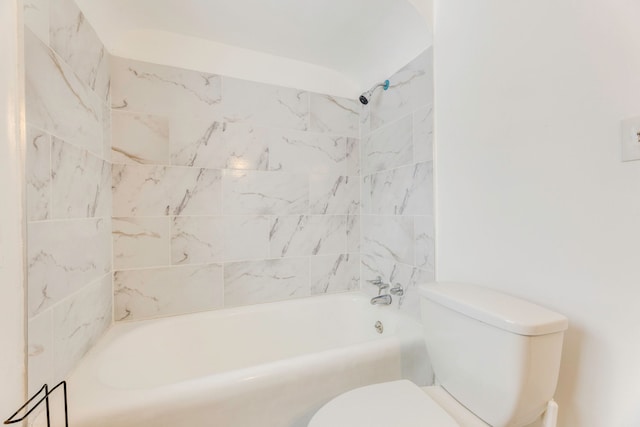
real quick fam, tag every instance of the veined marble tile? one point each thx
(57, 102)
(389, 147)
(139, 138)
(162, 90)
(335, 115)
(265, 193)
(365, 194)
(73, 38)
(389, 271)
(411, 88)
(303, 235)
(197, 141)
(406, 190)
(197, 240)
(220, 145)
(260, 103)
(142, 190)
(141, 242)
(353, 234)
(365, 120)
(424, 236)
(246, 237)
(253, 282)
(329, 194)
(396, 273)
(38, 174)
(40, 351)
(141, 294)
(353, 156)
(388, 237)
(81, 183)
(304, 152)
(63, 256)
(423, 134)
(36, 18)
(334, 273)
(106, 131)
(78, 323)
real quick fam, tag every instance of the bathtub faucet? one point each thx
(379, 283)
(381, 300)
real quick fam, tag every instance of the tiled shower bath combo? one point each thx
(156, 191)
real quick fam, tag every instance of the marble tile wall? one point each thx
(397, 222)
(228, 192)
(68, 179)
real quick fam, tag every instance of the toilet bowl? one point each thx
(495, 357)
(398, 404)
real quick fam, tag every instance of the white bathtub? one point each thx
(271, 365)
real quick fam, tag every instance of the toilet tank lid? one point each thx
(495, 308)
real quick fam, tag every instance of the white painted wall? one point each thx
(12, 335)
(332, 46)
(532, 197)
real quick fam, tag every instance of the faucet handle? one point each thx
(379, 283)
(397, 290)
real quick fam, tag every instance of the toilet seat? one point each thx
(397, 403)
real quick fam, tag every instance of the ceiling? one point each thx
(339, 47)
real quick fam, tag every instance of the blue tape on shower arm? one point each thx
(386, 85)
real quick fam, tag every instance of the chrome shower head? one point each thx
(366, 96)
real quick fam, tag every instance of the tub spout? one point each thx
(381, 300)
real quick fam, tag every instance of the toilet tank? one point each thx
(497, 355)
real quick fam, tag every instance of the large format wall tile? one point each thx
(139, 138)
(265, 193)
(63, 256)
(259, 103)
(141, 190)
(162, 90)
(388, 237)
(424, 241)
(406, 190)
(223, 146)
(308, 235)
(141, 242)
(40, 351)
(304, 152)
(254, 282)
(330, 194)
(197, 240)
(258, 177)
(38, 174)
(68, 188)
(334, 273)
(78, 45)
(36, 18)
(423, 134)
(57, 101)
(411, 88)
(79, 322)
(388, 147)
(397, 225)
(141, 294)
(246, 237)
(81, 183)
(334, 115)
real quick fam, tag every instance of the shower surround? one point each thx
(397, 183)
(228, 192)
(206, 191)
(68, 188)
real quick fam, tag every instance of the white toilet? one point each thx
(496, 360)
